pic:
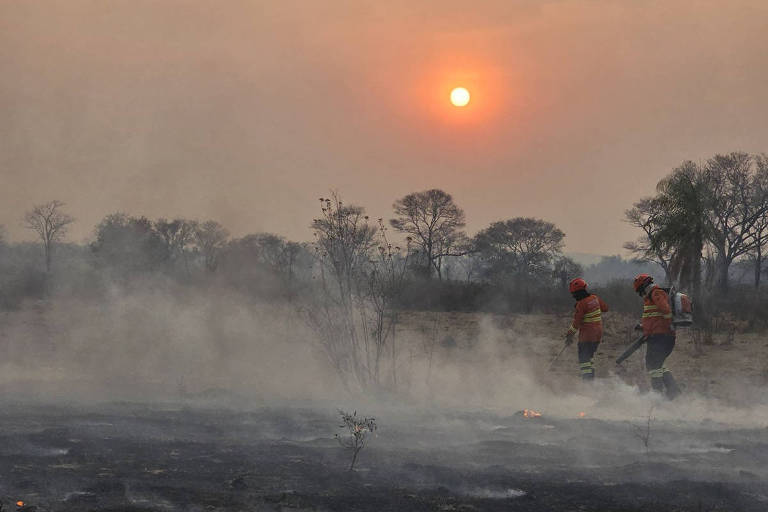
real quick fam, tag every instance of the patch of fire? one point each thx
(582, 415)
(23, 507)
(529, 413)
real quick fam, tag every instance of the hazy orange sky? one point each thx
(248, 111)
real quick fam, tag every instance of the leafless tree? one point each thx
(360, 275)
(737, 205)
(50, 224)
(647, 214)
(760, 229)
(344, 240)
(434, 222)
(210, 237)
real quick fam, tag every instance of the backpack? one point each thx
(682, 308)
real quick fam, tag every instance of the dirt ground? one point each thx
(721, 367)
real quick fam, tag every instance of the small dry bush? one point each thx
(357, 433)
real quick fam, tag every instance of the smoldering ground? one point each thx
(149, 398)
(154, 336)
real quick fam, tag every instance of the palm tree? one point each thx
(684, 223)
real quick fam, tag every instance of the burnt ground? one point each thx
(127, 456)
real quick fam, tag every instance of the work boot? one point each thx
(657, 384)
(671, 385)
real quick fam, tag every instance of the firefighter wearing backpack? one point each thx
(659, 333)
(588, 321)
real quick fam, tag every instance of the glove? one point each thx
(568, 339)
(638, 326)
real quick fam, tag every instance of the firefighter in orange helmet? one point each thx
(588, 321)
(659, 333)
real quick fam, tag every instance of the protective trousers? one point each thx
(658, 348)
(587, 351)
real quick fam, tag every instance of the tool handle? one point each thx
(557, 356)
(631, 349)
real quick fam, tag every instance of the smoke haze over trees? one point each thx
(706, 224)
(703, 231)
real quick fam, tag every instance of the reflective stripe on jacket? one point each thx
(657, 313)
(587, 319)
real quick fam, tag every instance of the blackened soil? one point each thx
(128, 457)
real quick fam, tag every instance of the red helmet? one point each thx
(642, 280)
(577, 284)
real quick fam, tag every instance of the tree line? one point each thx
(429, 223)
(705, 217)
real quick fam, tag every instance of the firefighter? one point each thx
(588, 321)
(656, 324)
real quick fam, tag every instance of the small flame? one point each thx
(582, 414)
(19, 503)
(528, 413)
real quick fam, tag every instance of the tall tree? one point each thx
(210, 237)
(520, 246)
(434, 222)
(675, 225)
(761, 225)
(178, 235)
(50, 224)
(737, 203)
(269, 252)
(519, 254)
(684, 213)
(128, 244)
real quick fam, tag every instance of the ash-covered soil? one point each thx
(159, 458)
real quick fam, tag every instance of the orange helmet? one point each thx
(642, 280)
(577, 284)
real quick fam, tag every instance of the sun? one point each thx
(459, 97)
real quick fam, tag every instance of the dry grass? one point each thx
(721, 368)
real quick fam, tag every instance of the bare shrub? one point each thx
(644, 432)
(356, 435)
(359, 277)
